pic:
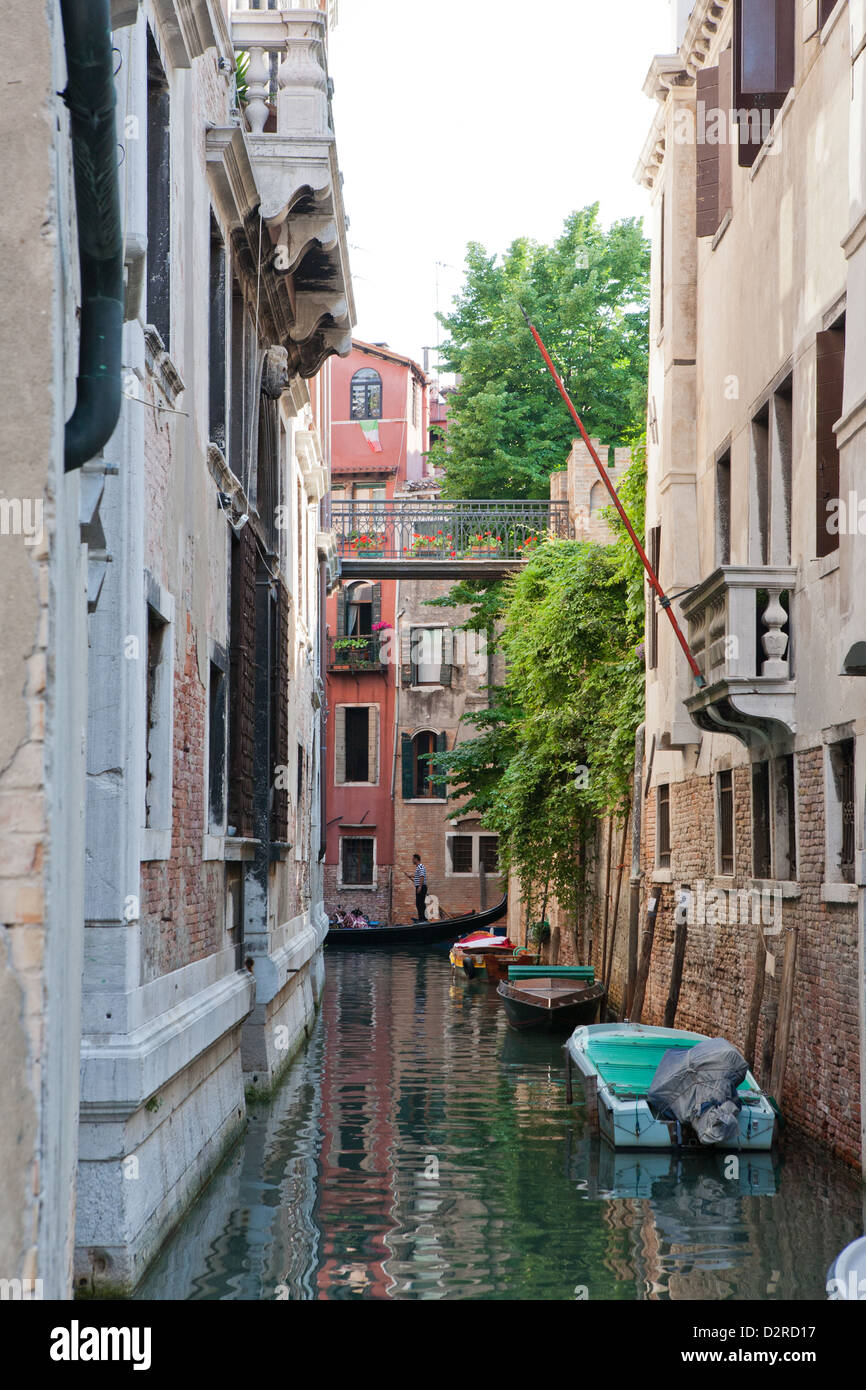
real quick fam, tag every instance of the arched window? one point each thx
(366, 397)
(420, 778)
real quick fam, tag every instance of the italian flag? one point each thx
(370, 431)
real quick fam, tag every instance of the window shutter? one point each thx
(407, 751)
(708, 156)
(373, 744)
(341, 613)
(830, 378)
(281, 752)
(446, 670)
(726, 154)
(242, 682)
(811, 22)
(440, 786)
(340, 744)
(407, 669)
(376, 604)
(764, 56)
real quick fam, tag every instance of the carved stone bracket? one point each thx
(311, 310)
(297, 235)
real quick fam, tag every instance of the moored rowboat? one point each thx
(619, 1063)
(556, 1001)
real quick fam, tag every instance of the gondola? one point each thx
(414, 933)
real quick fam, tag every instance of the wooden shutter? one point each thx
(340, 744)
(373, 743)
(811, 21)
(726, 153)
(242, 682)
(764, 57)
(446, 670)
(440, 783)
(376, 604)
(707, 154)
(407, 754)
(407, 666)
(281, 751)
(830, 379)
(341, 613)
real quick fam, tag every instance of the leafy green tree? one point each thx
(554, 751)
(588, 296)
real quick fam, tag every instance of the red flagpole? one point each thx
(603, 474)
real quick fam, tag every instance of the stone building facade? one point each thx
(755, 780)
(161, 891)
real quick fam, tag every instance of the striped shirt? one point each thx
(420, 876)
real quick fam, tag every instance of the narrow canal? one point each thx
(419, 1149)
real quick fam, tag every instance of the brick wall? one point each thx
(822, 1086)
(182, 898)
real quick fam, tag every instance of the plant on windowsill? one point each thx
(359, 653)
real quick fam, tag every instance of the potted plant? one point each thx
(353, 651)
(367, 542)
(484, 543)
(431, 545)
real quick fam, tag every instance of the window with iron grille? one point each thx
(762, 862)
(357, 861)
(786, 819)
(663, 825)
(725, 812)
(488, 853)
(460, 851)
(846, 798)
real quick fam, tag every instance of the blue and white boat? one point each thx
(846, 1280)
(618, 1064)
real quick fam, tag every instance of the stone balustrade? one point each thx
(740, 633)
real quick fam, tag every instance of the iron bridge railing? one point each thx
(461, 530)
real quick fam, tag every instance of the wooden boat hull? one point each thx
(550, 1010)
(621, 1109)
(413, 933)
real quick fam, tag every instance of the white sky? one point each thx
(480, 120)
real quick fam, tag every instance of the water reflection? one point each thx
(419, 1149)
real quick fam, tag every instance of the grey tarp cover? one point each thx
(699, 1087)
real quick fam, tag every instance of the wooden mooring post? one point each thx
(645, 960)
(786, 1012)
(680, 941)
(756, 1001)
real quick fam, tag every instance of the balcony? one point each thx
(347, 655)
(434, 539)
(292, 150)
(739, 631)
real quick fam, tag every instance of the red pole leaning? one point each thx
(603, 474)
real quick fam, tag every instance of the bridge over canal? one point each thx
(429, 538)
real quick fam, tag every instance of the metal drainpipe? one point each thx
(91, 99)
(635, 878)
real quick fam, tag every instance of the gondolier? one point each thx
(420, 888)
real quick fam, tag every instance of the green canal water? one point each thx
(419, 1149)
